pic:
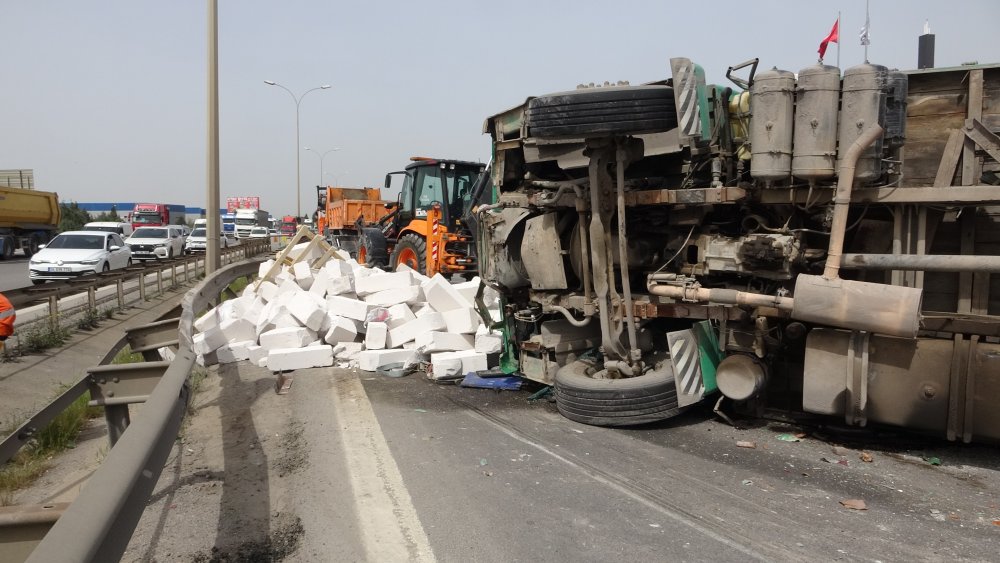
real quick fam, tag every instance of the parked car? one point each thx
(198, 240)
(156, 243)
(77, 253)
(258, 232)
(123, 229)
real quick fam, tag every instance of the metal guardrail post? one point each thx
(173, 275)
(142, 286)
(159, 281)
(92, 297)
(117, 419)
(120, 287)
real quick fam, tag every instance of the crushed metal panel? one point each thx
(542, 253)
(683, 346)
(124, 383)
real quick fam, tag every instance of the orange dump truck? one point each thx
(28, 218)
(339, 210)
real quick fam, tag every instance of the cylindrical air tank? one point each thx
(816, 98)
(862, 106)
(772, 102)
(895, 115)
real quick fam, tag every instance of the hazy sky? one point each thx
(106, 99)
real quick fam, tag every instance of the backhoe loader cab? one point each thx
(425, 231)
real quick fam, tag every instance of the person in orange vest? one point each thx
(7, 318)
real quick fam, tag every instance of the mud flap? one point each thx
(695, 355)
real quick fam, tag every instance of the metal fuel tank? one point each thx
(816, 99)
(772, 102)
(863, 105)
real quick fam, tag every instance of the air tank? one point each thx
(772, 102)
(895, 114)
(816, 99)
(862, 106)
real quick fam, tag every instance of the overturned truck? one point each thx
(820, 243)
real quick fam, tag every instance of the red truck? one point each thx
(289, 224)
(151, 215)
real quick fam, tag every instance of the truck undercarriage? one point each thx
(819, 243)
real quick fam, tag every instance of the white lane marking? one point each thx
(388, 522)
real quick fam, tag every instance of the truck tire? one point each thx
(615, 402)
(411, 249)
(7, 252)
(597, 112)
(372, 248)
(32, 246)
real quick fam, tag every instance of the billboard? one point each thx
(242, 202)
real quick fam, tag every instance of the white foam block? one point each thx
(370, 284)
(314, 253)
(443, 296)
(303, 275)
(418, 277)
(463, 321)
(209, 320)
(347, 350)
(340, 268)
(472, 361)
(238, 329)
(488, 342)
(395, 296)
(341, 330)
(308, 309)
(347, 307)
(267, 291)
(370, 360)
(264, 267)
(468, 289)
(289, 337)
(421, 309)
(408, 331)
(430, 342)
(287, 359)
(209, 341)
(275, 316)
(256, 353)
(234, 352)
(376, 335)
(339, 286)
(321, 279)
(399, 314)
(253, 312)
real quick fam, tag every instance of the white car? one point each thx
(77, 253)
(123, 229)
(258, 232)
(156, 243)
(197, 241)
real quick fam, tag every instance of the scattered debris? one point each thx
(843, 462)
(866, 457)
(747, 482)
(746, 444)
(789, 438)
(932, 460)
(483, 462)
(854, 504)
(508, 383)
(419, 410)
(541, 393)
(488, 473)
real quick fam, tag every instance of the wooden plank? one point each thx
(949, 159)
(968, 241)
(970, 165)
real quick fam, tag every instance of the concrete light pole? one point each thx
(298, 168)
(212, 262)
(321, 158)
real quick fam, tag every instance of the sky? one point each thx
(106, 100)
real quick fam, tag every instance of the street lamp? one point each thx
(321, 157)
(298, 168)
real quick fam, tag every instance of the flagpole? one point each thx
(838, 39)
(867, 31)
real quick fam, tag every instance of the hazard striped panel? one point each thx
(689, 83)
(683, 345)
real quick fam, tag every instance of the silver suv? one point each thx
(156, 243)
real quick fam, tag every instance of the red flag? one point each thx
(834, 37)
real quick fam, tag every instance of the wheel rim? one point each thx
(409, 257)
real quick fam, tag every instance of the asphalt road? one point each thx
(14, 272)
(356, 467)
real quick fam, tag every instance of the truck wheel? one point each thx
(597, 112)
(32, 247)
(372, 249)
(411, 250)
(8, 248)
(615, 402)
